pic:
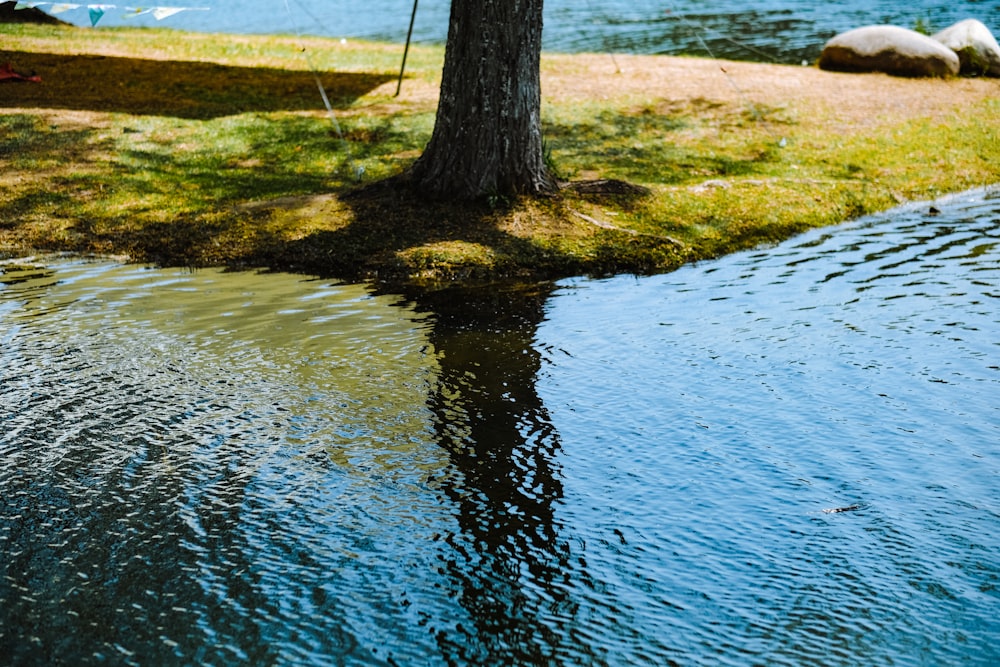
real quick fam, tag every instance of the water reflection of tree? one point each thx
(511, 568)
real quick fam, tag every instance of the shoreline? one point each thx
(205, 150)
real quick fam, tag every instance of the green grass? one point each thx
(205, 149)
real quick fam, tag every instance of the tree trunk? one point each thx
(487, 136)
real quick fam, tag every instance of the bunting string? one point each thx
(97, 11)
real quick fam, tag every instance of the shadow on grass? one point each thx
(191, 168)
(173, 88)
(395, 234)
(204, 193)
(170, 197)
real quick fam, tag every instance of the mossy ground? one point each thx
(190, 149)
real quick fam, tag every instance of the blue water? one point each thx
(712, 418)
(765, 30)
(789, 456)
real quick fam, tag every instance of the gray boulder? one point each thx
(977, 48)
(889, 49)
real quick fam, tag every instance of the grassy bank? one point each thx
(196, 150)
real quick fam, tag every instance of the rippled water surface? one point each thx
(789, 456)
(769, 30)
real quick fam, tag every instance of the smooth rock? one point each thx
(889, 49)
(977, 48)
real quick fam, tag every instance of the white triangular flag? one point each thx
(160, 13)
(60, 7)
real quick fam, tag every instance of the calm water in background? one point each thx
(229, 468)
(769, 30)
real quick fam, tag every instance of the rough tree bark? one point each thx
(487, 137)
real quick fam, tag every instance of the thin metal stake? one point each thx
(409, 33)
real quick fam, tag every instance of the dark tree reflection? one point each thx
(511, 567)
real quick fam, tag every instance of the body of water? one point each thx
(787, 457)
(785, 31)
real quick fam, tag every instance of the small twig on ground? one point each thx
(607, 225)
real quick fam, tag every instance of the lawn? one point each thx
(190, 149)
